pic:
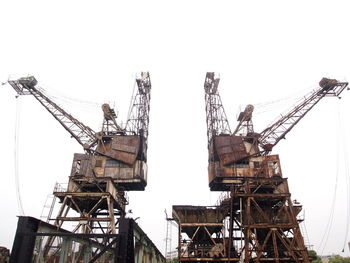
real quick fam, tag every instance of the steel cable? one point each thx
(64, 100)
(269, 106)
(305, 228)
(347, 179)
(131, 104)
(329, 224)
(16, 153)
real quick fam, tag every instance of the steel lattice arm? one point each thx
(82, 133)
(217, 122)
(278, 130)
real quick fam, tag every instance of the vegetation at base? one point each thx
(334, 259)
(314, 257)
(339, 259)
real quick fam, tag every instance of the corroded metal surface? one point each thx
(222, 176)
(129, 177)
(129, 245)
(121, 148)
(194, 214)
(197, 226)
(126, 145)
(257, 221)
(230, 149)
(114, 162)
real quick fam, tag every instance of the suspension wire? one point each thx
(268, 106)
(58, 94)
(16, 153)
(306, 233)
(70, 102)
(131, 103)
(325, 236)
(347, 179)
(77, 104)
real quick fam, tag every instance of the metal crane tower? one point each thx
(217, 122)
(114, 161)
(256, 220)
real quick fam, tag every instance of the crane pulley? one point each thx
(245, 121)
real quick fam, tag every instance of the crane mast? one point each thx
(217, 123)
(270, 136)
(138, 119)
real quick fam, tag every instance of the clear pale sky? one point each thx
(90, 51)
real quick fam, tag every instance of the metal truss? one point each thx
(217, 122)
(278, 130)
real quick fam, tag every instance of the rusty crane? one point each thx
(256, 221)
(114, 161)
(113, 148)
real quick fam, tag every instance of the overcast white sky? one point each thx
(90, 51)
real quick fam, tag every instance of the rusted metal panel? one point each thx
(230, 148)
(132, 177)
(138, 170)
(215, 170)
(81, 165)
(282, 188)
(199, 224)
(196, 214)
(126, 143)
(271, 166)
(261, 211)
(99, 164)
(121, 148)
(261, 166)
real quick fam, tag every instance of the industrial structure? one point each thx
(114, 161)
(256, 220)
